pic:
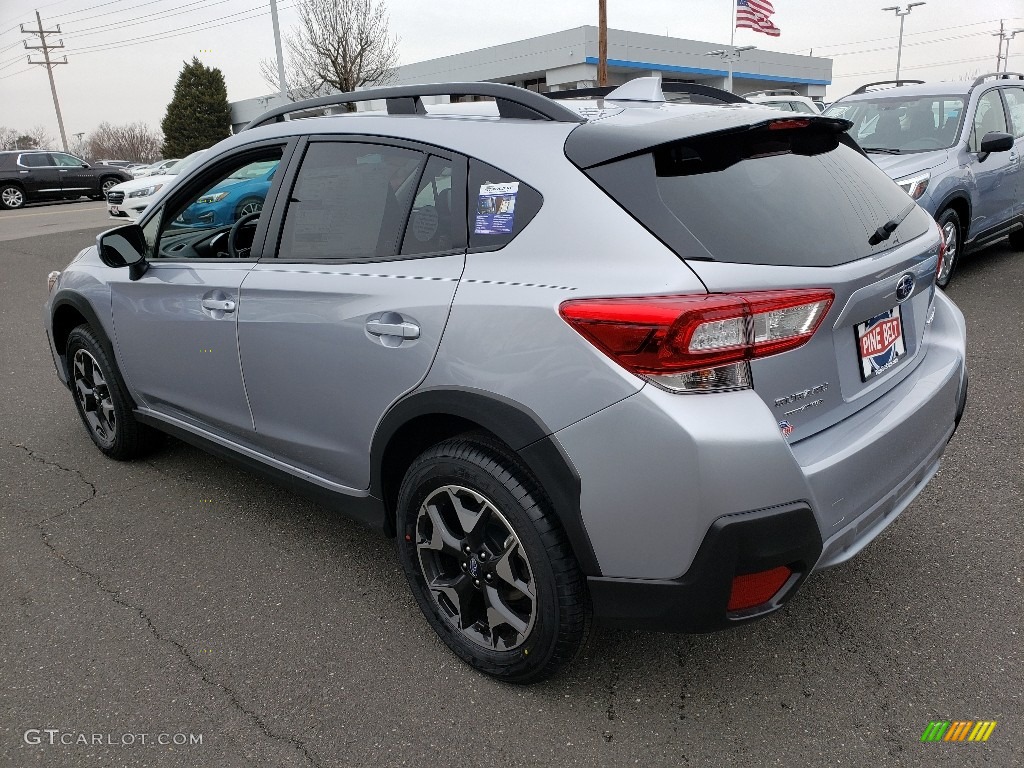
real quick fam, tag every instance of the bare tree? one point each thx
(37, 138)
(339, 45)
(134, 141)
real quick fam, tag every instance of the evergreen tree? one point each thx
(198, 115)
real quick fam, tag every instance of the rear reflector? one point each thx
(753, 589)
(665, 336)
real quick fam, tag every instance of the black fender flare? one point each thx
(515, 425)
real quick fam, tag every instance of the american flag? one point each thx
(754, 14)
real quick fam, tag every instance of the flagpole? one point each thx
(732, 43)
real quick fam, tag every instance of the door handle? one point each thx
(63, 170)
(224, 305)
(403, 330)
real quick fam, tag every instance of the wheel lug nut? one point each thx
(483, 555)
(490, 577)
(466, 549)
(476, 582)
(465, 565)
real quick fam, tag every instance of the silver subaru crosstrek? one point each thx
(614, 359)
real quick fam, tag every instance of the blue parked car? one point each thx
(237, 196)
(955, 148)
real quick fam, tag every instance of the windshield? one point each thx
(903, 124)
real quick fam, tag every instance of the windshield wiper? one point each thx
(884, 150)
(886, 230)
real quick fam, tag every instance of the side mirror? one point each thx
(994, 141)
(124, 247)
(85, 165)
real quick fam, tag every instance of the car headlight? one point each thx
(146, 192)
(214, 198)
(915, 185)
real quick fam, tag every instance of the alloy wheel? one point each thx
(12, 197)
(949, 232)
(107, 185)
(250, 207)
(476, 568)
(93, 395)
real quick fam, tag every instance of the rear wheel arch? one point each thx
(431, 416)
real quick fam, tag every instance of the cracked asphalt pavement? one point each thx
(181, 596)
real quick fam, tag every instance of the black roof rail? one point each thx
(998, 76)
(692, 88)
(405, 100)
(897, 83)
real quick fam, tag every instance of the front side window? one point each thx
(351, 201)
(1015, 106)
(988, 117)
(66, 161)
(202, 224)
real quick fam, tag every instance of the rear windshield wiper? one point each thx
(884, 150)
(886, 230)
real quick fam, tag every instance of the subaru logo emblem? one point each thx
(904, 287)
(474, 566)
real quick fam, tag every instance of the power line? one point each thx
(926, 66)
(109, 13)
(160, 36)
(143, 19)
(910, 45)
(13, 74)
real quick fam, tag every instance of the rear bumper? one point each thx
(697, 601)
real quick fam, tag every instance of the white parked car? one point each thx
(129, 199)
(156, 169)
(784, 99)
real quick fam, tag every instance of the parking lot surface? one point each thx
(182, 597)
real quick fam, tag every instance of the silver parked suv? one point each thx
(620, 359)
(955, 148)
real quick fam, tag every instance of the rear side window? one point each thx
(351, 201)
(500, 206)
(795, 197)
(435, 224)
(36, 160)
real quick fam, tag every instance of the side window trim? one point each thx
(275, 231)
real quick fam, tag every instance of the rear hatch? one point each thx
(787, 204)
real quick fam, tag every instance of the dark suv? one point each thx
(32, 175)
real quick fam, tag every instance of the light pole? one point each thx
(901, 13)
(729, 55)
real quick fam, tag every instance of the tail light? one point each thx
(942, 252)
(698, 343)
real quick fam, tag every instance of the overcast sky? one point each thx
(112, 76)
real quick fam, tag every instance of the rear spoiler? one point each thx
(594, 144)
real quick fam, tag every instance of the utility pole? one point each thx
(1003, 57)
(602, 43)
(280, 56)
(46, 48)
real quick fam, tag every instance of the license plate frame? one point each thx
(880, 343)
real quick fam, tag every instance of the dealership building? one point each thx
(568, 59)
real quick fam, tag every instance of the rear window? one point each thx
(796, 197)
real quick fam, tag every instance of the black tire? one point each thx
(103, 401)
(949, 223)
(12, 196)
(519, 547)
(1017, 240)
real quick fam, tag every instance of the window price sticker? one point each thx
(495, 208)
